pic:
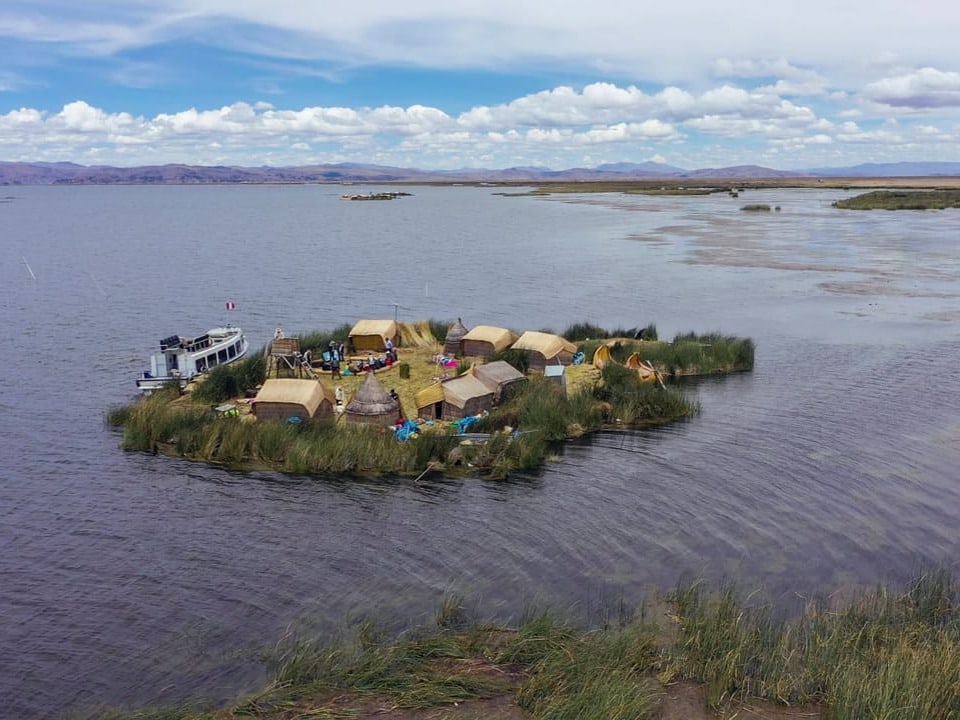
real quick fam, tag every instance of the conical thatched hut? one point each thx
(282, 398)
(501, 377)
(545, 349)
(485, 340)
(372, 405)
(455, 333)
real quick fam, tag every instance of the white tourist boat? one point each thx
(182, 359)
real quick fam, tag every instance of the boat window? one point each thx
(222, 356)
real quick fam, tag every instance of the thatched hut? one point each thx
(544, 349)
(501, 377)
(486, 340)
(283, 398)
(372, 405)
(429, 402)
(455, 333)
(455, 398)
(372, 335)
(464, 396)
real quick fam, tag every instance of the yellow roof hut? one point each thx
(372, 335)
(283, 398)
(544, 349)
(464, 396)
(486, 340)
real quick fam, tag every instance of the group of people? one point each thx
(334, 359)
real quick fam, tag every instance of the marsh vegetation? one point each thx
(886, 653)
(902, 200)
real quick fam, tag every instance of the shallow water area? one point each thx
(130, 579)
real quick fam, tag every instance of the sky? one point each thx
(480, 83)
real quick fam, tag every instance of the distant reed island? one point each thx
(902, 200)
(388, 398)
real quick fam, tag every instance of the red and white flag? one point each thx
(231, 305)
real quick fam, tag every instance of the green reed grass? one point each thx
(701, 354)
(542, 412)
(424, 667)
(583, 331)
(438, 328)
(884, 654)
(229, 381)
(517, 358)
(319, 340)
(880, 655)
(602, 675)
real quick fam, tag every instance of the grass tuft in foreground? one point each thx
(881, 654)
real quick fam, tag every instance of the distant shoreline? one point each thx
(932, 174)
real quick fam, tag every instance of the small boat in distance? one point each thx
(182, 359)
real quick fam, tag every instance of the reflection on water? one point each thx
(134, 579)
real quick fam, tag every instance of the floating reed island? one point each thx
(932, 199)
(407, 399)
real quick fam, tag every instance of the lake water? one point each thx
(129, 579)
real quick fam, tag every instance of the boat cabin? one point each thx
(185, 358)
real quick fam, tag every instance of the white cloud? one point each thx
(668, 43)
(922, 89)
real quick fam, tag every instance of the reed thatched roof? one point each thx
(460, 390)
(500, 338)
(497, 373)
(308, 394)
(547, 344)
(372, 400)
(383, 328)
(429, 395)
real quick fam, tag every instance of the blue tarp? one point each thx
(408, 428)
(466, 422)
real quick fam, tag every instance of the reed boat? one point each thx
(645, 371)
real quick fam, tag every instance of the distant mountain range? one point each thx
(19, 173)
